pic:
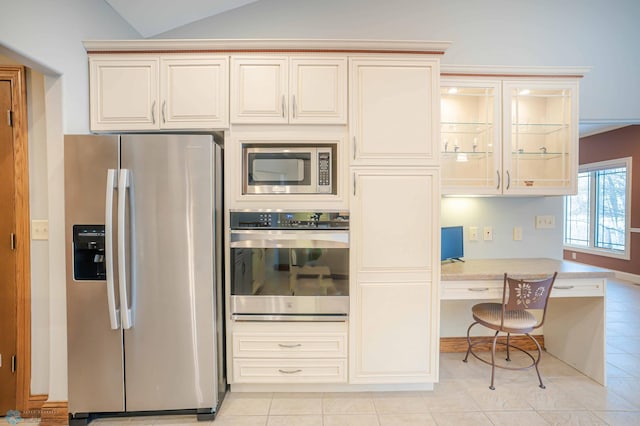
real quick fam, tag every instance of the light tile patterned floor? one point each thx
(462, 397)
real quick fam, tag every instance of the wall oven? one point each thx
(289, 266)
(289, 169)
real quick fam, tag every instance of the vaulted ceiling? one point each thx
(152, 17)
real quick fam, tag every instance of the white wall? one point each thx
(502, 214)
(38, 209)
(598, 33)
(47, 36)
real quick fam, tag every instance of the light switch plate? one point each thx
(517, 233)
(545, 222)
(473, 233)
(39, 229)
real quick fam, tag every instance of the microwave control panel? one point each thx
(324, 171)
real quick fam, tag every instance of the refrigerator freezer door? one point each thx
(95, 355)
(170, 349)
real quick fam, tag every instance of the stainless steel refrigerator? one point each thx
(144, 279)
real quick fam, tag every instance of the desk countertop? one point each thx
(528, 268)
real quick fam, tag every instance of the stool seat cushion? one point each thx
(491, 313)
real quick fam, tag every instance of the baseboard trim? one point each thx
(34, 406)
(628, 277)
(54, 413)
(459, 344)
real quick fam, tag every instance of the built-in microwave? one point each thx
(289, 168)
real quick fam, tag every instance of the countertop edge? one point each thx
(476, 270)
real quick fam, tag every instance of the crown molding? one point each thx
(512, 71)
(266, 45)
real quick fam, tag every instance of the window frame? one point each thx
(592, 249)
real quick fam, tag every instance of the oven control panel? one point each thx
(289, 220)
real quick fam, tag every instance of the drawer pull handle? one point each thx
(296, 345)
(563, 287)
(289, 371)
(478, 289)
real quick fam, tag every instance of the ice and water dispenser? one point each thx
(88, 253)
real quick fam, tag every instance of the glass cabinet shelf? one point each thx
(537, 155)
(464, 128)
(537, 128)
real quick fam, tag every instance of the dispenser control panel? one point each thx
(88, 253)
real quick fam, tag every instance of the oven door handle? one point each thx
(289, 239)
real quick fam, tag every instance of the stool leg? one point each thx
(538, 360)
(508, 336)
(493, 360)
(466, 357)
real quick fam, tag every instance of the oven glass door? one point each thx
(290, 272)
(287, 273)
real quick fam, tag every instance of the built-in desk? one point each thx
(574, 329)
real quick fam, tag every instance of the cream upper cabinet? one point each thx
(511, 136)
(393, 111)
(540, 137)
(470, 140)
(194, 92)
(124, 93)
(150, 92)
(394, 273)
(296, 90)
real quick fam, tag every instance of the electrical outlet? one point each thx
(473, 233)
(545, 222)
(487, 233)
(39, 229)
(517, 233)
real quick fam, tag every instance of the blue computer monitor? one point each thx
(451, 245)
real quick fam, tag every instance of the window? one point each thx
(597, 217)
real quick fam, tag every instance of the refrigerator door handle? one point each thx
(114, 312)
(124, 186)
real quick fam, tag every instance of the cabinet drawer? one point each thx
(486, 290)
(471, 290)
(578, 288)
(287, 345)
(289, 370)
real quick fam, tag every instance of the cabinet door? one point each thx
(394, 270)
(194, 93)
(259, 90)
(123, 93)
(470, 139)
(318, 91)
(393, 108)
(540, 137)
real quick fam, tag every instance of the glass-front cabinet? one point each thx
(508, 136)
(540, 133)
(471, 151)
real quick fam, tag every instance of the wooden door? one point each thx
(8, 283)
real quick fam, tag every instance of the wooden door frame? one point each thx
(16, 76)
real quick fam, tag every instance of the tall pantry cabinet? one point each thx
(394, 220)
